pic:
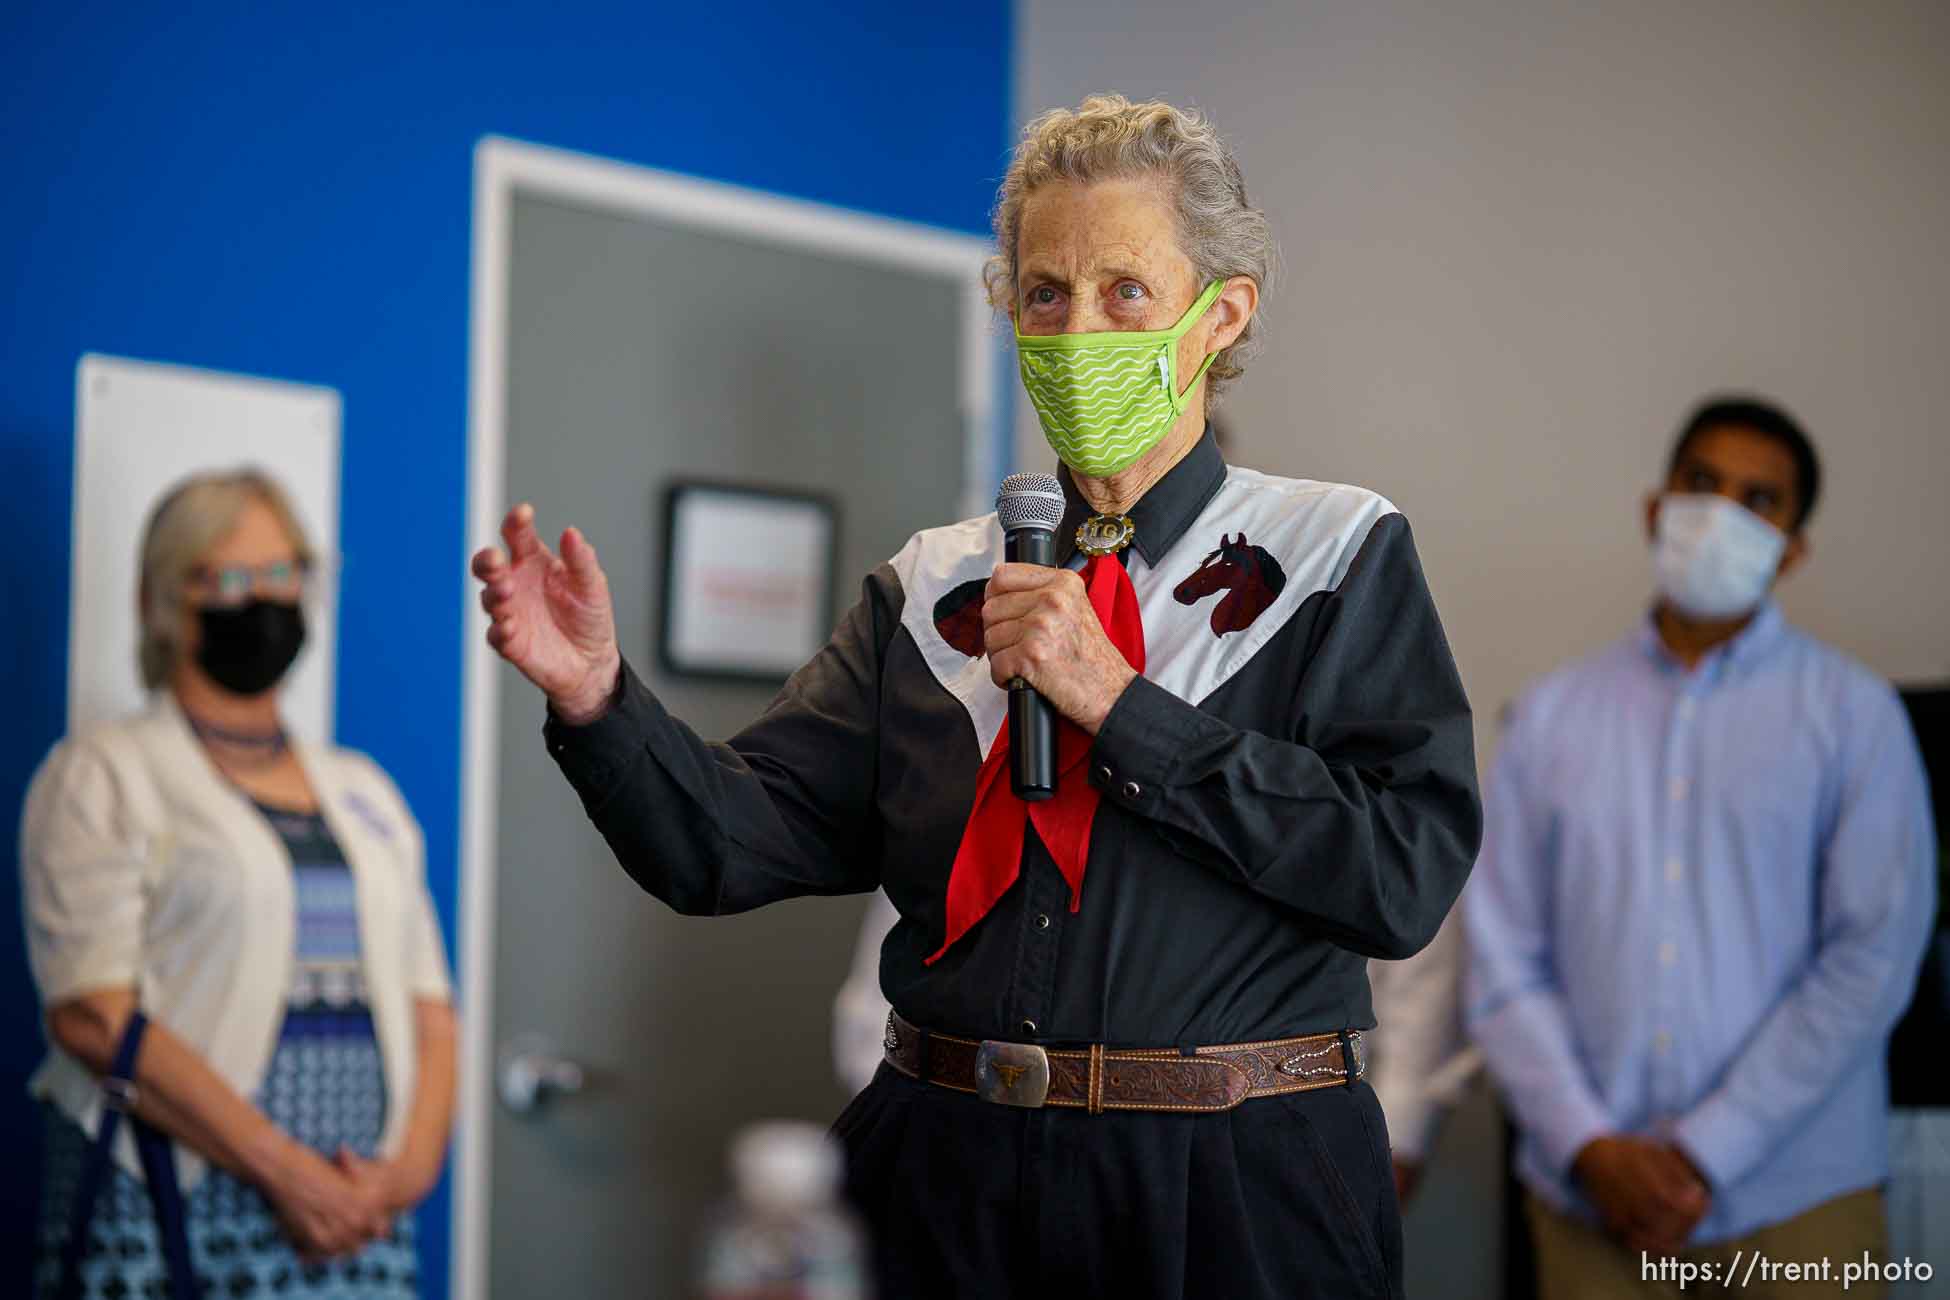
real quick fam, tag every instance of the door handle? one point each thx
(531, 1070)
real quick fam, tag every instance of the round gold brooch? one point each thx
(1105, 534)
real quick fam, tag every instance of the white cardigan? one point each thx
(142, 867)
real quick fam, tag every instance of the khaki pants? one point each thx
(1577, 1261)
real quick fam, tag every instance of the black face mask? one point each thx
(247, 649)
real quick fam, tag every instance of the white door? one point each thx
(647, 340)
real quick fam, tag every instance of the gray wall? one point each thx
(1521, 239)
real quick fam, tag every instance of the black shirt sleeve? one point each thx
(784, 808)
(1366, 819)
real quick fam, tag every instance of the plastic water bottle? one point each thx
(786, 1235)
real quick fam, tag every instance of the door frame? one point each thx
(504, 168)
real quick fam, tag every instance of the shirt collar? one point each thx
(1164, 512)
(1746, 648)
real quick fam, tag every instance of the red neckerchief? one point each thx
(990, 856)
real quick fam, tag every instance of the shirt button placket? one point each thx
(1678, 821)
(1045, 894)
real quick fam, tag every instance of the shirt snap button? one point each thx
(1132, 790)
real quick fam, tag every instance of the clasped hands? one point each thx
(1648, 1192)
(336, 1206)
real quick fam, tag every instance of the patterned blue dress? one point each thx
(324, 1087)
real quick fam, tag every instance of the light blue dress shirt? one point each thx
(1700, 907)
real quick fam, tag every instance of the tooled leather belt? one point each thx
(1096, 1079)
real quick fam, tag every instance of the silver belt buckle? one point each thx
(1012, 1074)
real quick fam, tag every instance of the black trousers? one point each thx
(1289, 1197)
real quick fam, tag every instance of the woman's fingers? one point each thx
(371, 1223)
(1008, 605)
(316, 1239)
(997, 637)
(1028, 577)
(489, 563)
(498, 596)
(580, 557)
(518, 530)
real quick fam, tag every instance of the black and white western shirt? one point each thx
(1288, 790)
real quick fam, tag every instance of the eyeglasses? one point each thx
(235, 584)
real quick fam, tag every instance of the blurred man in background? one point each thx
(1706, 877)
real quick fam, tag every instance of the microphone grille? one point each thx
(1030, 501)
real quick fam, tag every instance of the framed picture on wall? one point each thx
(748, 580)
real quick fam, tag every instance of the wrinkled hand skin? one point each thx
(551, 616)
(1038, 624)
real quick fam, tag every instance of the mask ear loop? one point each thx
(1169, 357)
(1178, 400)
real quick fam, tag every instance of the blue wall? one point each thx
(286, 192)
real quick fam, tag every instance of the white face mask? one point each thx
(1713, 558)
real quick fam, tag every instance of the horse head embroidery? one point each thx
(1251, 578)
(958, 617)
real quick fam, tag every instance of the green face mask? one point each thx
(1106, 399)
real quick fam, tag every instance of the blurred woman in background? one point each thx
(260, 901)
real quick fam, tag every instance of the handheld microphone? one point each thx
(1029, 507)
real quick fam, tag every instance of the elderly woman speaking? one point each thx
(231, 933)
(1124, 1057)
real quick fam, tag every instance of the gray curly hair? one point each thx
(1107, 137)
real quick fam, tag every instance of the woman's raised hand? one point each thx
(551, 616)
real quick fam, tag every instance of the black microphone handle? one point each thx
(1032, 723)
